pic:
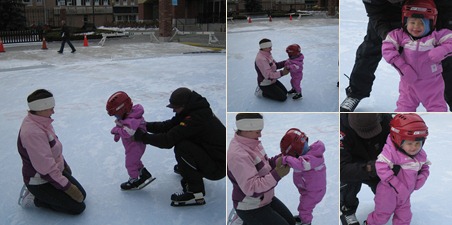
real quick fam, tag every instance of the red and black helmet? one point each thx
(293, 142)
(119, 104)
(409, 127)
(423, 9)
(293, 50)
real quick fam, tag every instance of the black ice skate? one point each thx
(187, 199)
(142, 181)
(297, 96)
(349, 219)
(292, 91)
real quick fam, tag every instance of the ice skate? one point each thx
(297, 96)
(292, 91)
(187, 199)
(349, 220)
(142, 181)
(26, 198)
(234, 219)
(258, 92)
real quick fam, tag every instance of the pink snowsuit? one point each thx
(419, 65)
(394, 191)
(309, 176)
(295, 66)
(251, 172)
(125, 129)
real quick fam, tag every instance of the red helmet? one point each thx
(293, 142)
(424, 9)
(293, 50)
(119, 104)
(408, 127)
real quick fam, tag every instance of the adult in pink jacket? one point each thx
(416, 51)
(403, 167)
(254, 176)
(268, 73)
(47, 177)
(309, 170)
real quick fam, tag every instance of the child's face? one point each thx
(415, 27)
(412, 147)
(253, 134)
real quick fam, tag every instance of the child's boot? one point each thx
(292, 91)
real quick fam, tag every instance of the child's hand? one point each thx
(420, 181)
(115, 132)
(407, 73)
(116, 137)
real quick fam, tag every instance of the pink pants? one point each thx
(386, 205)
(295, 81)
(308, 200)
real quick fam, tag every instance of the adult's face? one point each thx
(267, 49)
(178, 110)
(46, 113)
(253, 134)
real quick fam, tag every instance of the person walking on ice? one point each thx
(403, 167)
(129, 118)
(309, 171)
(295, 66)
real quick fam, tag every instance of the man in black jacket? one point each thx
(65, 37)
(384, 16)
(199, 141)
(363, 136)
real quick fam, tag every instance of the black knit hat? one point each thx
(366, 125)
(179, 97)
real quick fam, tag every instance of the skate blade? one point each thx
(148, 181)
(189, 203)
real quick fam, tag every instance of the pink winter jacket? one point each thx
(423, 55)
(309, 170)
(41, 153)
(266, 68)
(412, 175)
(127, 127)
(251, 173)
(295, 66)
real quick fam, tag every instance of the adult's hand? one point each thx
(138, 136)
(285, 71)
(281, 170)
(74, 193)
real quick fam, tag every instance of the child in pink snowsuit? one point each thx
(309, 170)
(295, 66)
(129, 118)
(402, 167)
(416, 51)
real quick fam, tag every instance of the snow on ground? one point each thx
(81, 84)
(352, 29)
(317, 126)
(318, 38)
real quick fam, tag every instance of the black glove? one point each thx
(138, 136)
(370, 168)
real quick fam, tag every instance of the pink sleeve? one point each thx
(265, 68)
(390, 47)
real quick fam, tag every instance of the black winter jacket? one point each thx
(196, 123)
(356, 152)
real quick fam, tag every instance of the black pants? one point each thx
(195, 164)
(348, 200)
(275, 91)
(47, 196)
(275, 213)
(68, 42)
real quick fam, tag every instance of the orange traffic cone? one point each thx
(1, 46)
(270, 18)
(249, 19)
(85, 41)
(44, 44)
(290, 18)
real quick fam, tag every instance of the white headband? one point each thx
(42, 104)
(250, 124)
(267, 44)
